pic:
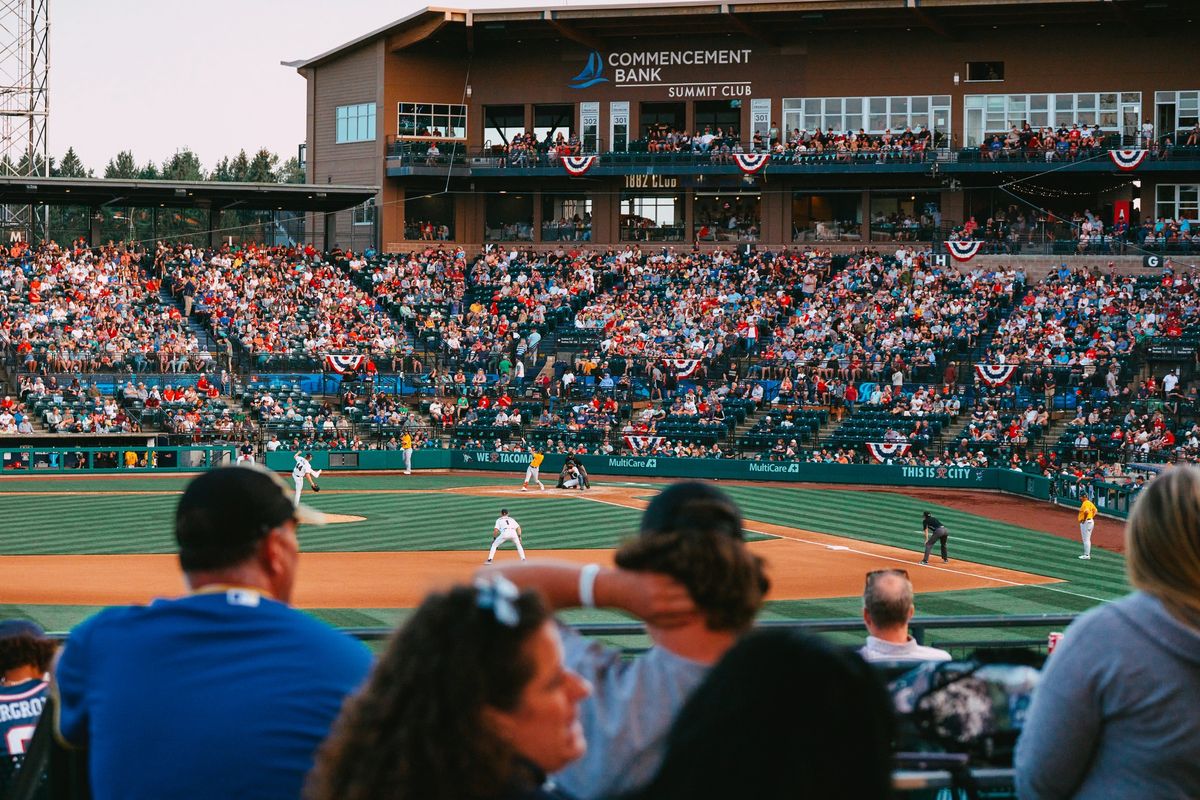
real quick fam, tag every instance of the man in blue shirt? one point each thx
(226, 692)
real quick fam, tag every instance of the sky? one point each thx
(152, 76)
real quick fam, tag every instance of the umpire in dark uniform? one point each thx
(934, 531)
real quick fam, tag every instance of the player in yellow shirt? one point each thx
(531, 472)
(406, 447)
(1087, 521)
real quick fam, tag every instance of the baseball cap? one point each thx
(234, 507)
(12, 628)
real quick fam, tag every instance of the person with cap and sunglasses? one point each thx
(690, 576)
(225, 692)
(25, 656)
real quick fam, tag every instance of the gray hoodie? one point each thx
(1117, 713)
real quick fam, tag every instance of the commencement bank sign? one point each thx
(680, 72)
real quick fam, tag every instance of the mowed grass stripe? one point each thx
(94, 524)
(125, 482)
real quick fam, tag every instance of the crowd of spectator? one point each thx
(77, 309)
(285, 302)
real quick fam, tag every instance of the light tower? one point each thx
(24, 107)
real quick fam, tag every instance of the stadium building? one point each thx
(432, 109)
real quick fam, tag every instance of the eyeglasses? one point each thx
(875, 573)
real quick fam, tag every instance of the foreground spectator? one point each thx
(1115, 713)
(25, 655)
(469, 702)
(782, 715)
(887, 608)
(690, 575)
(226, 692)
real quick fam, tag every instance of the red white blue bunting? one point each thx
(963, 250)
(751, 163)
(576, 166)
(882, 451)
(995, 374)
(1128, 160)
(683, 367)
(641, 444)
(341, 364)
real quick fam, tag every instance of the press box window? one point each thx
(355, 123)
(364, 214)
(985, 70)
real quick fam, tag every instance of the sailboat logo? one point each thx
(591, 74)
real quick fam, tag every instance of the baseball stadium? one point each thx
(687, 351)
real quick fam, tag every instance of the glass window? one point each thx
(652, 218)
(566, 218)
(726, 217)
(1178, 201)
(364, 213)
(985, 70)
(355, 123)
(443, 120)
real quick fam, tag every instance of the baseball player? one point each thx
(1087, 521)
(302, 470)
(406, 447)
(934, 531)
(531, 472)
(506, 530)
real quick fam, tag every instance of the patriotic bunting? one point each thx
(683, 367)
(641, 444)
(882, 451)
(576, 166)
(963, 250)
(751, 163)
(341, 364)
(995, 374)
(1128, 160)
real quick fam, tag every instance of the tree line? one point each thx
(184, 165)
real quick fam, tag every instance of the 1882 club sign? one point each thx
(683, 73)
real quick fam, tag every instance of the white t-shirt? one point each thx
(1170, 381)
(506, 525)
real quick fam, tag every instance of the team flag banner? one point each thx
(576, 166)
(882, 451)
(341, 364)
(1128, 160)
(963, 250)
(641, 444)
(995, 374)
(683, 367)
(751, 163)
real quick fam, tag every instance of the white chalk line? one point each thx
(893, 558)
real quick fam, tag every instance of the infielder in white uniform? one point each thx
(302, 470)
(506, 530)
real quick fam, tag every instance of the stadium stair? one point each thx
(207, 342)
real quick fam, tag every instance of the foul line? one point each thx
(894, 558)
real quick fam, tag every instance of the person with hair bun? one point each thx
(690, 576)
(470, 701)
(1115, 714)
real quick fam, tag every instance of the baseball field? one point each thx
(70, 545)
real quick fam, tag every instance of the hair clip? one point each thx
(500, 596)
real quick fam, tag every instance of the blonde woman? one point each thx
(1116, 714)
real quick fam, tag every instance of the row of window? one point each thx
(1115, 112)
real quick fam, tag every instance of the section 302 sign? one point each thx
(683, 73)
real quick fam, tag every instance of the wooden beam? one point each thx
(575, 35)
(753, 31)
(930, 21)
(418, 33)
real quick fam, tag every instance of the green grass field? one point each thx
(89, 516)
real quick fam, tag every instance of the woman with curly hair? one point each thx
(471, 701)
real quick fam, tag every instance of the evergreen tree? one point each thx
(184, 165)
(291, 172)
(123, 166)
(263, 167)
(70, 166)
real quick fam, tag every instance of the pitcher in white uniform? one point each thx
(302, 470)
(506, 530)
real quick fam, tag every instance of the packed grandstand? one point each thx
(797, 355)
